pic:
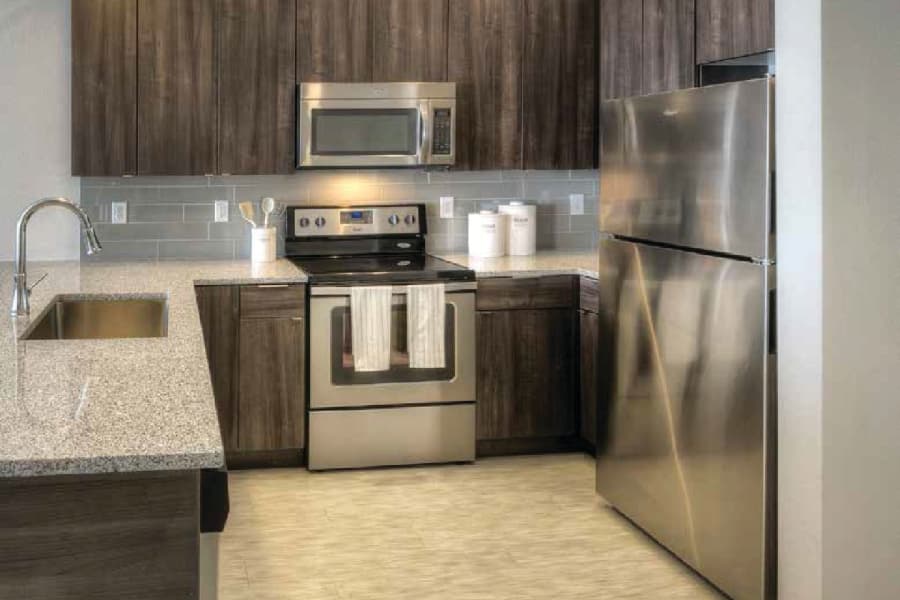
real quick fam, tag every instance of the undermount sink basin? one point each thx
(104, 317)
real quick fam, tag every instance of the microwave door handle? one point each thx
(424, 153)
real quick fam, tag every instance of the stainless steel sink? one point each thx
(104, 317)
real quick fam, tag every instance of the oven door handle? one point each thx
(456, 286)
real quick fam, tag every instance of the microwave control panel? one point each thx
(443, 131)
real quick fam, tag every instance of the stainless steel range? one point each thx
(398, 415)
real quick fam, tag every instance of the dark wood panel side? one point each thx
(256, 69)
(589, 294)
(732, 28)
(218, 307)
(559, 82)
(266, 301)
(334, 40)
(621, 42)
(526, 374)
(589, 325)
(176, 87)
(485, 61)
(271, 396)
(507, 293)
(103, 537)
(668, 50)
(409, 40)
(104, 87)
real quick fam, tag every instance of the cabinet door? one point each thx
(732, 28)
(559, 84)
(218, 306)
(176, 114)
(271, 384)
(334, 40)
(621, 48)
(485, 61)
(590, 324)
(668, 45)
(409, 40)
(255, 49)
(525, 374)
(104, 87)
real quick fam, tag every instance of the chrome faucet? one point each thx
(21, 291)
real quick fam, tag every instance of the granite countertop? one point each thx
(584, 263)
(100, 406)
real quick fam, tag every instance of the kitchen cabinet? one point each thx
(526, 364)
(645, 46)
(588, 340)
(256, 347)
(485, 61)
(334, 41)
(559, 84)
(733, 28)
(256, 61)
(409, 40)
(104, 87)
(176, 87)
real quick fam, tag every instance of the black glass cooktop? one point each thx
(373, 269)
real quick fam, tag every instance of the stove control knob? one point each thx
(410, 220)
(393, 219)
(320, 221)
(304, 222)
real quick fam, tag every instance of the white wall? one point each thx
(861, 276)
(35, 129)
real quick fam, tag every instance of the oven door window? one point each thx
(343, 373)
(365, 131)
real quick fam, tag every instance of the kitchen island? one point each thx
(102, 441)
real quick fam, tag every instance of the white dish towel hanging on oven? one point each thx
(425, 326)
(370, 318)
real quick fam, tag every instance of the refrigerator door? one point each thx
(684, 442)
(691, 168)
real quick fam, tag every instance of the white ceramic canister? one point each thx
(262, 244)
(521, 228)
(487, 234)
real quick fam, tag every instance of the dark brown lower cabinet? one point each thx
(270, 392)
(527, 384)
(589, 326)
(218, 306)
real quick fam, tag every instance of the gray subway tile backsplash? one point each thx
(173, 217)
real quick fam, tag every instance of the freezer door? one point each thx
(691, 168)
(687, 374)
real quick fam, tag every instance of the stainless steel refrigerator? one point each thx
(687, 284)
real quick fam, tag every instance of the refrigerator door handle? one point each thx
(773, 326)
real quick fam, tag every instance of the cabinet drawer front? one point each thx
(261, 301)
(589, 296)
(507, 293)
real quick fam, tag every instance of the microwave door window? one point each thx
(362, 132)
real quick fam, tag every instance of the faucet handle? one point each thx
(35, 284)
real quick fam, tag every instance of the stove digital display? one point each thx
(356, 217)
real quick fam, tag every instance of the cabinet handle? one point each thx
(296, 318)
(272, 286)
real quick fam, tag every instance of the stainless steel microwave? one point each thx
(376, 124)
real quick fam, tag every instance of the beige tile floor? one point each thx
(521, 528)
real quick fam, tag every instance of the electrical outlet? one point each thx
(576, 204)
(221, 211)
(446, 207)
(119, 212)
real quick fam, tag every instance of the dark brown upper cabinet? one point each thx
(176, 91)
(668, 45)
(733, 28)
(409, 40)
(104, 87)
(485, 61)
(559, 84)
(621, 48)
(256, 51)
(334, 40)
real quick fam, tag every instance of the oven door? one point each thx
(363, 133)
(333, 382)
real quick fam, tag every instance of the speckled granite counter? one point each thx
(543, 263)
(97, 406)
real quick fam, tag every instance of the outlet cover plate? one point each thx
(446, 207)
(576, 204)
(119, 213)
(221, 211)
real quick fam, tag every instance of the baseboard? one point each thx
(540, 445)
(264, 459)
